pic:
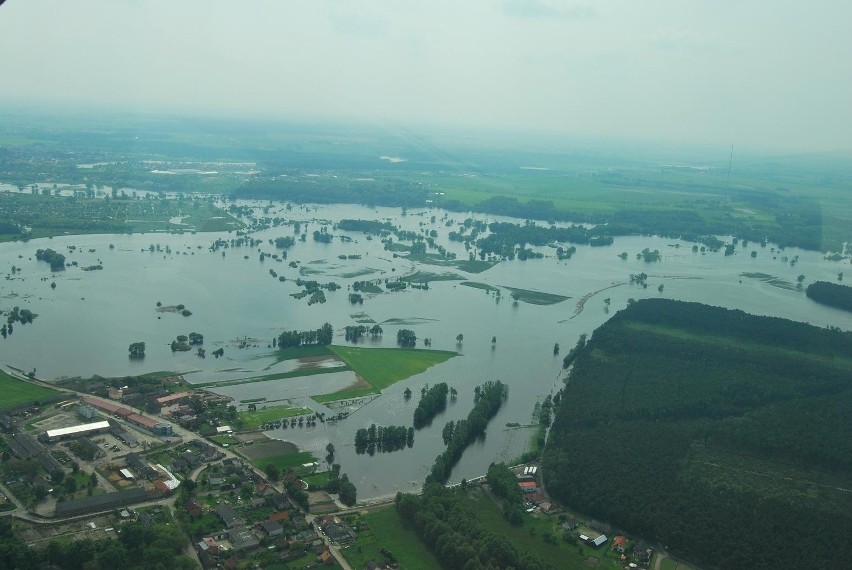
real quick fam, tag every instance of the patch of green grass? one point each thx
(484, 286)
(259, 417)
(475, 265)
(274, 376)
(428, 276)
(344, 395)
(466, 265)
(317, 480)
(394, 246)
(529, 536)
(15, 392)
(535, 297)
(252, 400)
(387, 530)
(357, 273)
(382, 367)
(301, 352)
(224, 439)
(290, 461)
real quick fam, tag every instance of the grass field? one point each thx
(290, 461)
(387, 531)
(306, 351)
(536, 297)
(382, 367)
(344, 395)
(261, 416)
(273, 376)
(530, 536)
(428, 276)
(15, 392)
(483, 286)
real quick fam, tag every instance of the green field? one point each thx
(428, 276)
(344, 394)
(256, 419)
(483, 286)
(273, 376)
(387, 531)
(530, 536)
(468, 266)
(382, 367)
(284, 462)
(305, 351)
(15, 392)
(535, 297)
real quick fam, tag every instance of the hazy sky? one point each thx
(762, 73)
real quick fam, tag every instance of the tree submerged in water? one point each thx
(137, 349)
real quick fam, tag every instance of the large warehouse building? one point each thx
(75, 431)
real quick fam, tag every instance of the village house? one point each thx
(272, 528)
(619, 544)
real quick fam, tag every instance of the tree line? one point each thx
(489, 397)
(831, 294)
(432, 403)
(321, 336)
(383, 439)
(449, 527)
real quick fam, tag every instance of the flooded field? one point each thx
(239, 303)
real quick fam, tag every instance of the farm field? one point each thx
(383, 367)
(257, 418)
(388, 531)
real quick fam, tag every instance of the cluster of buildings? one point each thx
(281, 527)
(533, 497)
(154, 426)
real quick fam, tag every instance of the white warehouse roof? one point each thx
(83, 428)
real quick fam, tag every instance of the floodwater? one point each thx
(86, 323)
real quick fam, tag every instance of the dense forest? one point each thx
(722, 435)
(831, 294)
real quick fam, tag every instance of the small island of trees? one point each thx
(432, 403)
(137, 349)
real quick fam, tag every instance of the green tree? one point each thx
(137, 349)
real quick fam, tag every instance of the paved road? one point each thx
(335, 550)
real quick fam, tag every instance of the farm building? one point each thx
(52, 435)
(173, 398)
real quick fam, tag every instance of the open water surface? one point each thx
(87, 322)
